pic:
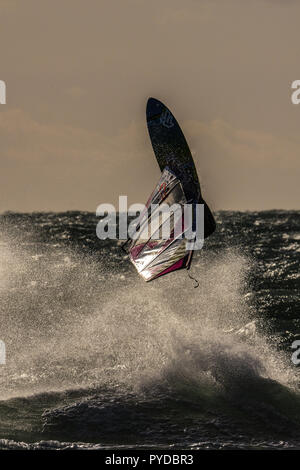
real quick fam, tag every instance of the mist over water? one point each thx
(95, 354)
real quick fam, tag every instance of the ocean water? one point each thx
(97, 358)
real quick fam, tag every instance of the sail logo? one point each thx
(166, 119)
(163, 189)
(2, 92)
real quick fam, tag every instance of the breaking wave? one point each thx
(95, 355)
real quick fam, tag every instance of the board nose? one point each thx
(154, 106)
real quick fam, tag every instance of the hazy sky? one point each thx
(78, 75)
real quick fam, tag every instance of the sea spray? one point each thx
(97, 351)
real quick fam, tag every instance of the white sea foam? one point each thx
(69, 321)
